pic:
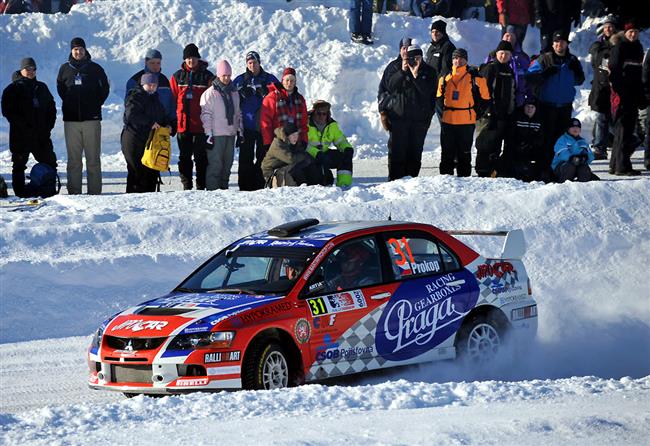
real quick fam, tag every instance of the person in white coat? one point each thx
(222, 121)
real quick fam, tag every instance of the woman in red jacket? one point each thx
(282, 105)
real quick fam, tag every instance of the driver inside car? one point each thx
(293, 268)
(353, 272)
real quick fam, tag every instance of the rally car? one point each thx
(306, 301)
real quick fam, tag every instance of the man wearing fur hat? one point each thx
(283, 105)
(493, 125)
(83, 87)
(29, 107)
(626, 72)
(413, 88)
(599, 96)
(324, 132)
(187, 85)
(253, 87)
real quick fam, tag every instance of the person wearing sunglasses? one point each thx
(29, 107)
(324, 132)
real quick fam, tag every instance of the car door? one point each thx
(432, 296)
(343, 310)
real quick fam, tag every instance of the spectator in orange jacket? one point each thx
(459, 112)
(282, 105)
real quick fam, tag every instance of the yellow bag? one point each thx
(158, 150)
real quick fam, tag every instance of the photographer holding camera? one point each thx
(412, 91)
(573, 156)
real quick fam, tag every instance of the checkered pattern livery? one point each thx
(484, 284)
(360, 335)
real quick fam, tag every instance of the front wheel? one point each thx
(266, 368)
(480, 341)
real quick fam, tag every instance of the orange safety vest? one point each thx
(458, 105)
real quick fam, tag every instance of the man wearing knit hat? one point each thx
(556, 73)
(411, 88)
(599, 96)
(519, 62)
(461, 96)
(283, 104)
(83, 87)
(439, 53)
(626, 77)
(29, 107)
(253, 87)
(152, 64)
(187, 85)
(492, 126)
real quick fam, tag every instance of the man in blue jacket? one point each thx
(252, 86)
(555, 74)
(153, 64)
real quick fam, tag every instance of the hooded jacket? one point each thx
(29, 107)
(281, 153)
(500, 79)
(626, 72)
(83, 88)
(279, 108)
(164, 91)
(187, 87)
(331, 135)
(568, 146)
(252, 90)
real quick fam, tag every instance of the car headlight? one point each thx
(97, 337)
(217, 339)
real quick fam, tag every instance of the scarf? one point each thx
(226, 94)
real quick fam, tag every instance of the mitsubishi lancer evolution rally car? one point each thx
(307, 301)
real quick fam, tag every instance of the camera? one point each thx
(411, 61)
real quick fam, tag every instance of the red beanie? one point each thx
(288, 71)
(629, 26)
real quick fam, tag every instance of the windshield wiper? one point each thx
(185, 290)
(230, 290)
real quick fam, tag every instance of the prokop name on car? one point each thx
(306, 301)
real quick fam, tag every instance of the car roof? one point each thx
(314, 235)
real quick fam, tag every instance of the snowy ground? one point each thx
(67, 266)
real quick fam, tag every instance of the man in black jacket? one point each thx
(492, 127)
(412, 88)
(600, 91)
(29, 107)
(83, 87)
(625, 67)
(441, 49)
(555, 15)
(524, 145)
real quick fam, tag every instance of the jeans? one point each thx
(361, 17)
(601, 132)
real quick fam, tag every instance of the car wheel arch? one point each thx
(286, 341)
(491, 313)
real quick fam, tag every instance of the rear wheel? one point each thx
(480, 340)
(266, 367)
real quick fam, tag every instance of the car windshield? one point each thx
(250, 270)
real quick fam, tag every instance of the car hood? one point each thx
(182, 313)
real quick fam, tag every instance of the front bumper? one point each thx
(161, 378)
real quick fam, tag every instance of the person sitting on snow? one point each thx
(324, 132)
(573, 156)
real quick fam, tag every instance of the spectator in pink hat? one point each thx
(221, 118)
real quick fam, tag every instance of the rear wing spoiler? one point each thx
(514, 246)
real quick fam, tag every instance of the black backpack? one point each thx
(43, 181)
(480, 105)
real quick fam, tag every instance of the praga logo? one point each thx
(424, 312)
(139, 324)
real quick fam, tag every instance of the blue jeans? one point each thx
(361, 17)
(601, 132)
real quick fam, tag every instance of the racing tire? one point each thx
(266, 367)
(480, 340)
